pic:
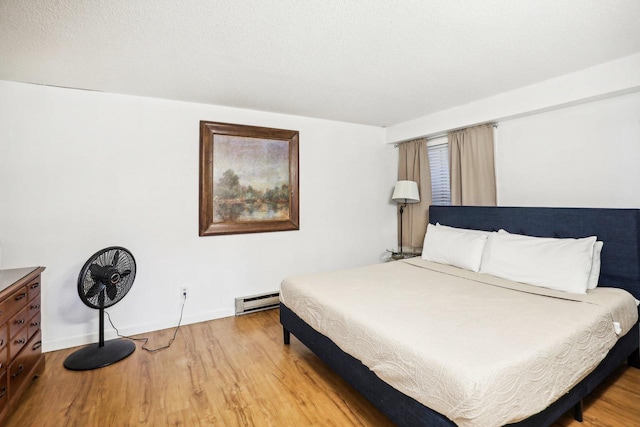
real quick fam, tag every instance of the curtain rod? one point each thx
(446, 133)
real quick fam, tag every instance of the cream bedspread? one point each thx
(480, 350)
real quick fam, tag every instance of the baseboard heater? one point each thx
(253, 303)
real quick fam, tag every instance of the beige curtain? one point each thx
(413, 165)
(471, 166)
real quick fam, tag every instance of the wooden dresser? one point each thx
(21, 358)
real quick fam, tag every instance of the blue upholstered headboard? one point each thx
(619, 229)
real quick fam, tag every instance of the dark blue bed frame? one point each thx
(619, 229)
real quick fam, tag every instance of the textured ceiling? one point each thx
(377, 62)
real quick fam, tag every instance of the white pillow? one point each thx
(463, 230)
(468, 230)
(595, 265)
(449, 246)
(594, 274)
(560, 264)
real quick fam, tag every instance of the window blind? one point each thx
(439, 164)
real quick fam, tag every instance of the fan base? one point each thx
(93, 356)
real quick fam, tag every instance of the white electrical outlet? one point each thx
(183, 292)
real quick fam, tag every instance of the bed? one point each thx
(619, 229)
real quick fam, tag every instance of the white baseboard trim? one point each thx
(109, 333)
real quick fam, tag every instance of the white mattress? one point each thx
(480, 350)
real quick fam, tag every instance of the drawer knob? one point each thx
(1, 342)
(18, 372)
(20, 321)
(37, 345)
(35, 323)
(34, 286)
(21, 296)
(21, 341)
(3, 391)
(34, 307)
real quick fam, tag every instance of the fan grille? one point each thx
(106, 277)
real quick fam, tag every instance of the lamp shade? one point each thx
(406, 192)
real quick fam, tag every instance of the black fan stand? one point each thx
(101, 354)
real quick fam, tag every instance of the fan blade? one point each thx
(116, 258)
(112, 291)
(125, 273)
(95, 289)
(95, 269)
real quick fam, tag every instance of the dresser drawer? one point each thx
(33, 288)
(4, 390)
(18, 321)
(13, 304)
(34, 324)
(20, 368)
(4, 359)
(17, 342)
(34, 306)
(4, 336)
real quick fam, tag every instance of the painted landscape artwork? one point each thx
(250, 179)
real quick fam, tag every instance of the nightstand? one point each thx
(397, 255)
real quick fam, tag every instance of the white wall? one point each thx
(586, 155)
(610, 79)
(80, 171)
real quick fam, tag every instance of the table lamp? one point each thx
(404, 193)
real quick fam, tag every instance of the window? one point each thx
(439, 164)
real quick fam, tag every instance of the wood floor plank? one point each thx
(236, 372)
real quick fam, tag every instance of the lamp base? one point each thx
(401, 242)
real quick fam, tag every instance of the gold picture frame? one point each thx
(249, 179)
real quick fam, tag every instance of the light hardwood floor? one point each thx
(237, 372)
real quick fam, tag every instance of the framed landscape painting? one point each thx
(248, 179)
